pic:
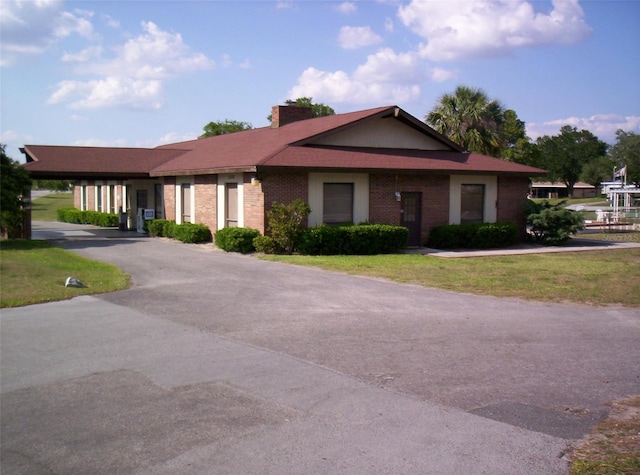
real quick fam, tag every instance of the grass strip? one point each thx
(35, 272)
(594, 277)
(45, 207)
(613, 446)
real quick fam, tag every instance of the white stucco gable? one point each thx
(382, 132)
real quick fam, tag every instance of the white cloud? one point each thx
(82, 56)
(110, 21)
(31, 27)
(176, 137)
(385, 77)
(347, 8)
(285, 5)
(460, 29)
(134, 77)
(352, 37)
(99, 143)
(110, 92)
(388, 25)
(603, 126)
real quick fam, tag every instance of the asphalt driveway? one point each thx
(222, 363)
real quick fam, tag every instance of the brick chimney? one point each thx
(283, 115)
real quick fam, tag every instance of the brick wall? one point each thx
(512, 199)
(253, 204)
(283, 188)
(170, 198)
(205, 206)
(384, 209)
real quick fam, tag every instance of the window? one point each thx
(337, 203)
(84, 199)
(472, 204)
(186, 202)
(231, 200)
(141, 199)
(159, 200)
(99, 198)
(112, 198)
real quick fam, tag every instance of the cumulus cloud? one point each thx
(461, 29)
(109, 92)
(352, 37)
(603, 126)
(385, 77)
(31, 27)
(134, 77)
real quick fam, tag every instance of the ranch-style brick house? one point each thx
(378, 165)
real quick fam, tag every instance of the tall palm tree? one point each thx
(469, 118)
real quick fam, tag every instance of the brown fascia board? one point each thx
(202, 171)
(393, 171)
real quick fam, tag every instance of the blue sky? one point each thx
(145, 73)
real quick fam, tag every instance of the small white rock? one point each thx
(73, 282)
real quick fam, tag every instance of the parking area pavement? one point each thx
(222, 363)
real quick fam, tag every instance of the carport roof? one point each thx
(52, 161)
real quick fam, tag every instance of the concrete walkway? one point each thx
(222, 363)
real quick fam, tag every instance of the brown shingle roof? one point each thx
(80, 162)
(396, 159)
(251, 148)
(289, 146)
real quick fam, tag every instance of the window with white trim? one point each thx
(471, 203)
(337, 203)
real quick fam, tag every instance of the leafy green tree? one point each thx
(53, 185)
(469, 118)
(565, 155)
(225, 127)
(15, 184)
(317, 110)
(597, 170)
(626, 152)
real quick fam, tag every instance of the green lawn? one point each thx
(45, 207)
(34, 272)
(594, 277)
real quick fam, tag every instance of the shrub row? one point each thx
(186, 232)
(473, 236)
(96, 218)
(236, 239)
(362, 239)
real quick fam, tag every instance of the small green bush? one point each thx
(362, 239)
(159, 227)
(473, 236)
(552, 225)
(190, 233)
(236, 239)
(264, 244)
(285, 224)
(75, 216)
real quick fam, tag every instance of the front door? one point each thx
(411, 216)
(231, 199)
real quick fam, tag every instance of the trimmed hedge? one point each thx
(96, 218)
(473, 236)
(160, 227)
(236, 239)
(186, 232)
(190, 233)
(361, 239)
